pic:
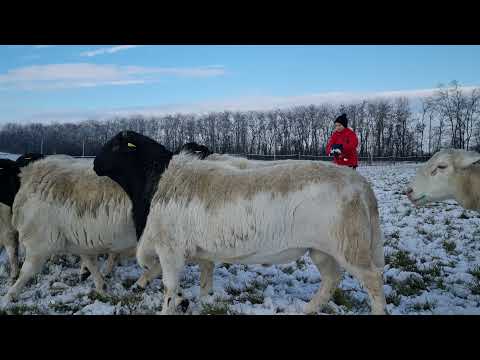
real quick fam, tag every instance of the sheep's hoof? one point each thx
(309, 309)
(184, 304)
(84, 275)
(136, 288)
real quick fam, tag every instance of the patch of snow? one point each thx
(439, 281)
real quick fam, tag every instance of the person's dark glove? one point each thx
(336, 149)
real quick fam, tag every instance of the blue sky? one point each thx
(64, 83)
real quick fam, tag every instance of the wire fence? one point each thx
(362, 160)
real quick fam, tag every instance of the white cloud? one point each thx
(42, 46)
(108, 50)
(73, 75)
(275, 102)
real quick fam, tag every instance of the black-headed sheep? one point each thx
(208, 211)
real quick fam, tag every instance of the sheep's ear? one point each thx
(467, 158)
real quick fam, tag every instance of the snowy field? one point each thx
(432, 267)
(8, 156)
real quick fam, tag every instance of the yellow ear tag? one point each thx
(130, 145)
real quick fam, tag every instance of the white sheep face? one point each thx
(436, 179)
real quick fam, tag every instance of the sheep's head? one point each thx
(436, 179)
(129, 151)
(9, 181)
(193, 148)
(136, 163)
(28, 158)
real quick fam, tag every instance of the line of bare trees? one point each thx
(385, 127)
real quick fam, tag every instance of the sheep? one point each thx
(241, 163)
(28, 158)
(201, 151)
(62, 206)
(8, 236)
(22, 161)
(208, 211)
(449, 174)
(206, 270)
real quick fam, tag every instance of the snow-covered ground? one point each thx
(8, 156)
(432, 267)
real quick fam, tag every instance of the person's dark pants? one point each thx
(353, 167)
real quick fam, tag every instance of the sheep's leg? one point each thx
(206, 277)
(373, 283)
(331, 276)
(84, 272)
(31, 266)
(147, 259)
(12, 252)
(172, 265)
(111, 261)
(55, 258)
(92, 264)
(11, 247)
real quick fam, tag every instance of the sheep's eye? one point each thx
(442, 166)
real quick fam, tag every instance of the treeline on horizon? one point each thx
(385, 127)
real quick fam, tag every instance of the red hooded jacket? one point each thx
(349, 141)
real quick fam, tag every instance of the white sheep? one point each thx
(449, 174)
(211, 211)
(63, 207)
(9, 182)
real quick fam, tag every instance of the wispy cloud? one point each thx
(259, 102)
(42, 46)
(73, 75)
(108, 50)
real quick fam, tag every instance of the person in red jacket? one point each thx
(343, 144)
